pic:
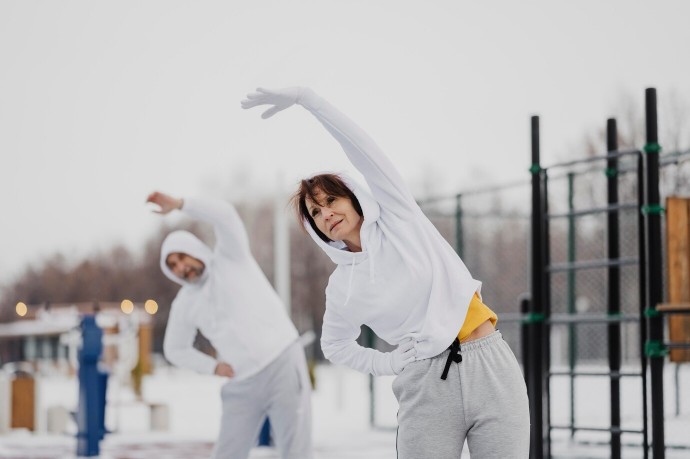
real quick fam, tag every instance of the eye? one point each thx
(314, 212)
(330, 199)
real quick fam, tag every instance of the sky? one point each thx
(104, 102)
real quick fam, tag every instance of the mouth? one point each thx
(335, 224)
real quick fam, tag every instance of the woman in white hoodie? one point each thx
(457, 378)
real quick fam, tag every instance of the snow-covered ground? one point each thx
(341, 412)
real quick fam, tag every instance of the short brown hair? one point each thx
(331, 185)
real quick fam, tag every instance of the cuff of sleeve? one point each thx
(382, 365)
(309, 100)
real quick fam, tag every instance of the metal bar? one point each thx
(619, 374)
(459, 235)
(599, 429)
(677, 345)
(546, 304)
(591, 264)
(572, 331)
(595, 210)
(534, 377)
(654, 271)
(557, 319)
(614, 283)
(591, 159)
(642, 278)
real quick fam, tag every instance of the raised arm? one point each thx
(231, 236)
(383, 178)
(339, 345)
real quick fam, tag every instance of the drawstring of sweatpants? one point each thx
(453, 356)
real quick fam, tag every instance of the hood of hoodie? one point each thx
(185, 242)
(337, 250)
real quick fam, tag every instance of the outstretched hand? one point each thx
(166, 202)
(280, 99)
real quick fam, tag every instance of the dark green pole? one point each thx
(654, 347)
(535, 377)
(614, 287)
(459, 234)
(572, 331)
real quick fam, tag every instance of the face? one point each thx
(335, 217)
(184, 266)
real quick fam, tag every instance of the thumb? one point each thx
(270, 112)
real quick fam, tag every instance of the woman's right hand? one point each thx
(280, 99)
(402, 356)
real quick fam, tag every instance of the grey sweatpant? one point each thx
(484, 399)
(281, 391)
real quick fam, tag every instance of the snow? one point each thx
(341, 411)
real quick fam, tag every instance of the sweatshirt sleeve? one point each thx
(231, 236)
(178, 344)
(386, 184)
(339, 345)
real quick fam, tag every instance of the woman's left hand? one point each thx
(279, 98)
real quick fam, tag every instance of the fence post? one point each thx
(642, 278)
(535, 375)
(652, 210)
(572, 330)
(459, 234)
(614, 290)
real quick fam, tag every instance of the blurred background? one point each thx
(102, 103)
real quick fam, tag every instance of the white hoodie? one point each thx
(407, 282)
(232, 303)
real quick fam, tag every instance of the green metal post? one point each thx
(459, 235)
(572, 331)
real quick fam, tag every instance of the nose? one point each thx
(327, 213)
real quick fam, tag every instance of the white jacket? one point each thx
(233, 304)
(407, 282)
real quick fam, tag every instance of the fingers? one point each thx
(406, 345)
(270, 112)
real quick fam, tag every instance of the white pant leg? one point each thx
(290, 408)
(244, 412)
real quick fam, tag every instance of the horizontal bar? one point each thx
(556, 319)
(677, 345)
(612, 374)
(673, 308)
(595, 210)
(476, 191)
(511, 317)
(597, 429)
(591, 264)
(591, 159)
(672, 158)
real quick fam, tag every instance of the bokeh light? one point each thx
(151, 307)
(21, 309)
(127, 306)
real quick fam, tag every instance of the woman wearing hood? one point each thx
(457, 378)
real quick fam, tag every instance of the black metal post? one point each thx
(524, 301)
(534, 377)
(614, 283)
(546, 311)
(652, 211)
(642, 280)
(459, 234)
(572, 330)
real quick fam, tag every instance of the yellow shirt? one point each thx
(477, 314)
